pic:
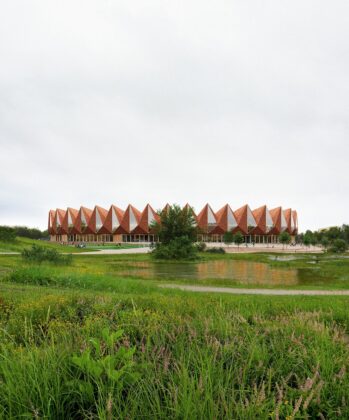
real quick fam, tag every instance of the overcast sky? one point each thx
(239, 101)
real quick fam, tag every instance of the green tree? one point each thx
(177, 232)
(339, 246)
(307, 238)
(284, 238)
(7, 234)
(238, 239)
(325, 242)
(228, 238)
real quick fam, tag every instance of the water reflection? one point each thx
(241, 271)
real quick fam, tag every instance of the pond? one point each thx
(235, 270)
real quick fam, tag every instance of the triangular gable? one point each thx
(129, 221)
(112, 220)
(268, 220)
(206, 219)
(148, 217)
(241, 218)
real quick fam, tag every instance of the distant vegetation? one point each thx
(333, 239)
(9, 234)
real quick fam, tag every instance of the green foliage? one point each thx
(31, 233)
(201, 246)
(338, 246)
(177, 233)
(216, 250)
(104, 367)
(228, 237)
(238, 239)
(285, 238)
(307, 239)
(325, 237)
(39, 254)
(7, 234)
(181, 248)
(325, 242)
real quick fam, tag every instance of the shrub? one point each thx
(40, 254)
(181, 248)
(338, 246)
(7, 234)
(216, 250)
(201, 246)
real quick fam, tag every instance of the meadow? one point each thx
(84, 341)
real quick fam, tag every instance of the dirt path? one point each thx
(238, 291)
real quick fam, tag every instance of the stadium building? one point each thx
(131, 225)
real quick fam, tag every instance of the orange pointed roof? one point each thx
(206, 219)
(280, 224)
(112, 220)
(51, 222)
(82, 221)
(148, 217)
(294, 222)
(264, 221)
(245, 219)
(59, 217)
(96, 220)
(129, 221)
(288, 218)
(69, 220)
(226, 221)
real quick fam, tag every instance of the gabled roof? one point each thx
(69, 220)
(280, 224)
(82, 221)
(96, 220)
(245, 219)
(148, 216)
(59, 217)
(226, 220)
(288, 218)
(129, 221)
(206, 219)
(113, 220)
(51, 222)
(295, 222)
(264, 221)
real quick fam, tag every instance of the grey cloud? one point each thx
(158, 101)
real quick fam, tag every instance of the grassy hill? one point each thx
(20, 243)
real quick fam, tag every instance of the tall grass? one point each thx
(181, 355)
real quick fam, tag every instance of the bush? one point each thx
(201, 246)
(180, 248)
(7, 234)
(40, 254)
(216, 250)
(338, 246)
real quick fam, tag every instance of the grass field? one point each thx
(21, 243)
(84, 342)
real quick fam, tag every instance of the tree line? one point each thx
(9, 233)
(335, 239)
